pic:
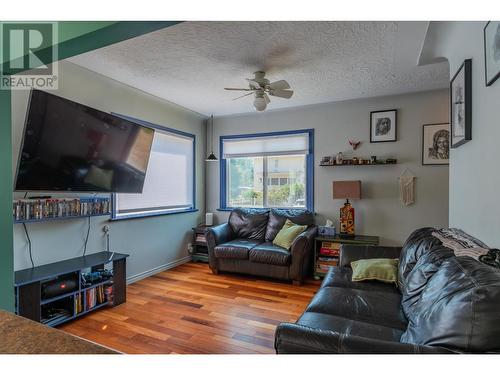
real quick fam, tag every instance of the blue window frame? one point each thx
(156, 211)
(309, 173)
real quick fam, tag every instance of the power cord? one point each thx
(106, 231)
(28, 237)
(88, 230)
(29, 245)
(86, 238)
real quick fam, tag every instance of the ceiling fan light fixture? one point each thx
(260, 103)
(262, 88)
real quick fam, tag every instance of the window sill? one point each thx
(263, 208)
(151, 214)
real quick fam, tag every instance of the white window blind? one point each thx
(293, 144)
(169, 182)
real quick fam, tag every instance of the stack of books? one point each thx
(95, 296)
(78, 303)
(200, 238)
(328, 256)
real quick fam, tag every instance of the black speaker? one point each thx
(57, 287)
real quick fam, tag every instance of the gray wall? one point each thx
(153, 243)
(380, 211)
(474, 176)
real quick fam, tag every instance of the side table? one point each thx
(327, 250)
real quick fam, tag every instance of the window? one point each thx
(169, 182)
(267, 170)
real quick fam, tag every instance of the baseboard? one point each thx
(153, 271)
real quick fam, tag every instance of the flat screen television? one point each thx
(67, 146)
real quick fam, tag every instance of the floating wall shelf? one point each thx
(58, 218)
(381, 162)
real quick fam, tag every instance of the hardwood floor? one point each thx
(189, 310)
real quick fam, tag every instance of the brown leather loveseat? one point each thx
(244, 244)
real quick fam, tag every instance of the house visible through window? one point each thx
(267, 171)
(169, 182)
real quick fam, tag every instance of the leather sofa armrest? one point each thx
(350, 253)
(301, 251)
(215, 236)
(296, 339)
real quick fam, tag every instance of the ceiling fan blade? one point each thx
(286, 94)
(253, 84)
(279, 85)
(233, 89)
(266, 97)
(242, 96)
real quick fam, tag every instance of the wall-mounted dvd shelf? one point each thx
(48, 209)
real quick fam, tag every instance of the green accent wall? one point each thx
(68, 30)
(6, 244)
(74, 38)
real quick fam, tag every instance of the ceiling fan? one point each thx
(261, 88)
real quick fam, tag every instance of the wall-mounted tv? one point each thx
(67, 146)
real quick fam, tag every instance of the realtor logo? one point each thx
(28, 56)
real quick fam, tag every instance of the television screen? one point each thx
(71, 147)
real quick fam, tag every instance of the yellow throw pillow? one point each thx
(381, 269)
(288, 234)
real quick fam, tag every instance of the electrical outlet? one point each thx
(190, 248)
(106, 229)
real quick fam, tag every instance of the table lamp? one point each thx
(347, 190)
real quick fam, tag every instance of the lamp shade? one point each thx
(260, 103)
(346, 189)
(211, 157)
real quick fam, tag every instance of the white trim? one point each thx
(154, 271)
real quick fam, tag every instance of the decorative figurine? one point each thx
(355, 144)
(338, 159)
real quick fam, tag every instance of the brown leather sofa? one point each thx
(442, 304)
(244, 244)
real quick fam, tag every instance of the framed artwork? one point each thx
(383, 126)
(460, 106)
(436, 144)
(492, 51)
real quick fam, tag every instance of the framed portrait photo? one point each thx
(492, 51)
(383, 126)
(461, 105)
(436, 144)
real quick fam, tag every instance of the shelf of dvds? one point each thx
(34, 210)
(327, 250)
(58, 292)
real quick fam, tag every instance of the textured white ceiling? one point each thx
(190, 63)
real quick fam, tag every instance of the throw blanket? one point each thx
(463, 244)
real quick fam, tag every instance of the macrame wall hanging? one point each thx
(407, 187)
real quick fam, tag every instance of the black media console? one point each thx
(56, 293)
